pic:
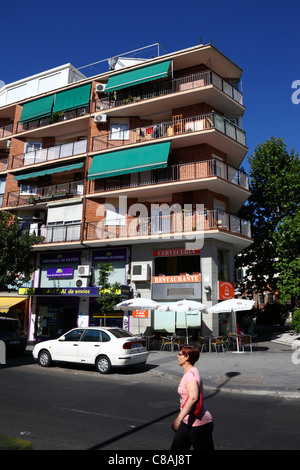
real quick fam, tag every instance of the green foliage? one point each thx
(16, 259)
(295, 323)
(273, 210)
(109, 294)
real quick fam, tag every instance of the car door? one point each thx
(89, 346)
(66, 347)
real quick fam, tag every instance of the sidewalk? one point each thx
(268, 370)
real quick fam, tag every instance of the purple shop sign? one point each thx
(61, 258)
(61, 273)
(110, 255)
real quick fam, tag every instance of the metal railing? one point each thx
(45, 193)
(173, 173)
(61, 233)
(6, 131)
(188, 82)
(173, 223)
(50, 153)
(54, 118)
(110, 140)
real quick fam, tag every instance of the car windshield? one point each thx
(119, 333)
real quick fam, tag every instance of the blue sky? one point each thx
(262, 37)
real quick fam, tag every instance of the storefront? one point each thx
(176, 276)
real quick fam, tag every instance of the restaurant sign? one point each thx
(175, 252)
(176, 279)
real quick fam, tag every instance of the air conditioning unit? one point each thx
(100, 118)
(82, 282)
(100, 87)
(140, 272)
(84, 270)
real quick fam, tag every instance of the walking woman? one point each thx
(191, 430)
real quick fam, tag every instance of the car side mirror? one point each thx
(62, 338)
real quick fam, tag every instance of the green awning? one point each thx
(37, 109)
(137, 76)
(147, 157)
(49, 171)
(73, 98)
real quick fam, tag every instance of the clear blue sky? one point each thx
(262, 37)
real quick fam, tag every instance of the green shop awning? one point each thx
(147, 157)
(37, 109)
(49, 171)
(73, 98)
(137, 76)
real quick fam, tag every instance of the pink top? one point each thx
(205, 416)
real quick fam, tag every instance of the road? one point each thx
(75, 408)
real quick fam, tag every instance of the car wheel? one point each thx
(44, 359)
(103, 365)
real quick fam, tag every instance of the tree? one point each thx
(272, 209)
(109, 294)
(16, 259)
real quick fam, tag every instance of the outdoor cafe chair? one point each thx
(218, 342)
(165, 342)
(180, 341)
(203, 343)
(246, 341)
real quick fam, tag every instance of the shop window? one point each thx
(174, 265)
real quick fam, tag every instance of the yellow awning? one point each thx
(7, 302)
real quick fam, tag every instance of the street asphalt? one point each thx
(272, 368)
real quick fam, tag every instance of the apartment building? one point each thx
(138, 167)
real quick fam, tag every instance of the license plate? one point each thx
(13, 342)
(137, 345)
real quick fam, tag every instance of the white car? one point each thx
(103, 347)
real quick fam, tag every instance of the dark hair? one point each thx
(191, 352)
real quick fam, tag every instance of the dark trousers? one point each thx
(199, 437)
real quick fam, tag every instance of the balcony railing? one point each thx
(54, 118)
(50, 153)
(61, 233)
(182, 172)
(6, 131)
(182, 126)
(45, 193)
(182, 84)
(174, 223)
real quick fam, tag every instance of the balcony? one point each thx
(50, 153)
(210, 223)
(182, 172)
(6, 131)
(55, 118)
(45, 194)
(190, 128)
(62, 233)
(189, 84)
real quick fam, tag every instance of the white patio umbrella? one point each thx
(183, 306)
(138, 303)
(232, 305)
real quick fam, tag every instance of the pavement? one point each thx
(271, 369)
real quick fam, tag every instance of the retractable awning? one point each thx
(137, 76)
(73, 98)
(7, 302)
(49, 171)
(147, 157)
(37, 109)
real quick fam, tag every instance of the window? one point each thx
(223, 265)
(91, 336)
(105, 337)
(74, 335)
(119, 131)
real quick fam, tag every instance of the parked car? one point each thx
(11, 333)
(103, 347)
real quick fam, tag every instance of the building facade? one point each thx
(138, 167)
